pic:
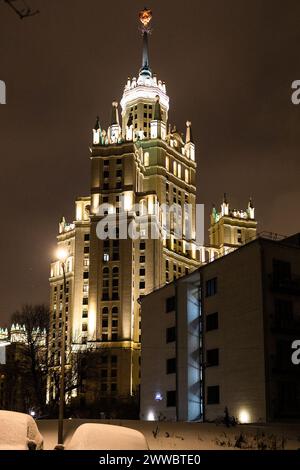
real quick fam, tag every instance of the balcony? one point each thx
(289, 286)
(286, 326)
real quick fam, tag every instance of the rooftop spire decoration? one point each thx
(145, 17)
(114, 114)
(189, 135)
(157, 110)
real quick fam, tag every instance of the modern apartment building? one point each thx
(222, 336)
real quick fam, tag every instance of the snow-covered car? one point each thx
(18, 431)
(92, 436)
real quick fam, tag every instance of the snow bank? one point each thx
(91, 436)
(18, 431)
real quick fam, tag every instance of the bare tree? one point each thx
(35, 319)
(21, 8)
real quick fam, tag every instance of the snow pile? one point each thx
(91, 436)
(18, 431)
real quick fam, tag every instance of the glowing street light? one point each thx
(62, 254)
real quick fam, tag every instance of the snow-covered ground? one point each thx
(190, 436)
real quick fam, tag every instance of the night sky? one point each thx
(228, 67)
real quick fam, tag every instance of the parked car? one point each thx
(92, 436)
(18, 431)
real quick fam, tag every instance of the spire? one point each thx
(225, 198)
(114, 114)
(157, 110)
(97, 125)
(189, 135)
(145, 17)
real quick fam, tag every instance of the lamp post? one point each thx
(62, 255)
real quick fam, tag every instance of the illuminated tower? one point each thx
(231, 228)
(138, 165)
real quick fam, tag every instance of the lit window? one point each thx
(186, 176)
(167, 163)
(179, 171)
(106, 257)
(146, 158)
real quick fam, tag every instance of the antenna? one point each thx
(21, 8)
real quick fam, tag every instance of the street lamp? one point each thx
(62, 255)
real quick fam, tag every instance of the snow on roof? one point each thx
(17, 430)
(91, 436)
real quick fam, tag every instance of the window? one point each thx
(105, 311)
(213, 395)
(119, 161)
(167, 163)
(142, 259)
(106, 257)
(119, 173)
(175, 168)
(114, 373)
(142, 272)
(85, 301)
(114, 323)
(171, 334)
(146, 159)
(211, 287)
(85, 275)
(103, 387)
(84, 327)
(114, 337)
(212, 321)
(86, 237)
(115, 311)
(283, 311)
(281, 270)
(106, 162)
(142, 245)
(86, 250)
(104, 360)
(84, 314)
(171, 366)
(118, 185)
(114, 387)
(105, 186)
(186, 175)
(104, 323)
(171, 398)
(212, 357)
(179, 170)
(114, 359)
(105, 174)
(170, 304)
(142, 285)
(103, 373)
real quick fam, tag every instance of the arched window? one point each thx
(105, 284)
(105, 311)
(115, 283)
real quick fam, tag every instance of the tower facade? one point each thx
(123, 244)
(231, 228)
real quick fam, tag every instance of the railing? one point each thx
(289, 286)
